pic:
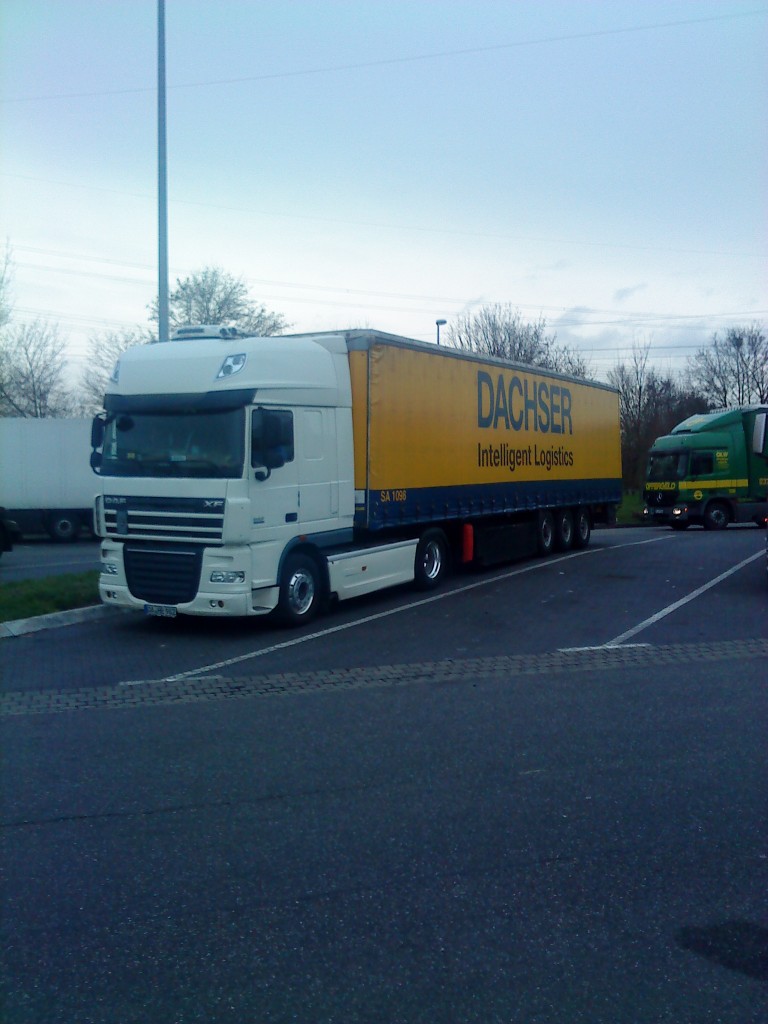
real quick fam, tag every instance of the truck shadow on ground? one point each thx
(738, 945)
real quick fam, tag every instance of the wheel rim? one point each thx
(64, 529)
(433, 560)
(301, 591)
(718, 517)
(582, 526)
(566, 530)
(547, 533)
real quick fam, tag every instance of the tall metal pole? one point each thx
(162, 181)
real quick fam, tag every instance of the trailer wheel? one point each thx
(300, 590)
(63, 527)
(564, 529)
(716, 516)
(546, 532)
(582, 528)
(431, 562)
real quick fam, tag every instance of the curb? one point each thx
(53, 621)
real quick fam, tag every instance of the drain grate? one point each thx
(198, 689)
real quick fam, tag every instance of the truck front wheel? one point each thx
(300, 590)
(716, 516)
(431, 562)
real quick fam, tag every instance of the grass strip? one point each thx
(629, 511)
(27, 598)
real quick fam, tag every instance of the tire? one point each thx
(431, 561)
(300, 590)
(545, 533)
(716, 516)
(63, 527)
(582, 528)
(564, 529)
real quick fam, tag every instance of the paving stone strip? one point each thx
(199, 689)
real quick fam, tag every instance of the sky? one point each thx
(599, 163)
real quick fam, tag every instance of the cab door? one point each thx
(274, 476)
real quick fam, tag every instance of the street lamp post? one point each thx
(162, 182)
(439, 324)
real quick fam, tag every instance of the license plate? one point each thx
(165, 611)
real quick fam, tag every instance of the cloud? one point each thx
(625, 293)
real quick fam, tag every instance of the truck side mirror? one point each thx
(760, 435)
(97, 432)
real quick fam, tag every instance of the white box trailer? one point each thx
(46, 481)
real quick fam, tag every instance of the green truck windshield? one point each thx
(199, 444)
(667, 466)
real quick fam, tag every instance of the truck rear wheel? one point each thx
(431, 562)
(582, 528)
(716, 516)
(63, 527)
(300, 590)
(546, 532)
(564, 529)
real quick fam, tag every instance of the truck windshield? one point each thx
(667, 466)
(199, 444)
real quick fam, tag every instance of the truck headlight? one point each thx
(108, 569)
(221, 576)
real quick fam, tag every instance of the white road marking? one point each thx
(683, 600)
(599, 647)
(294, 642)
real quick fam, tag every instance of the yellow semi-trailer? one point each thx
(242, 475)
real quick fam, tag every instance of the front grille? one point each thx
(661, 499)
(161, 575)
(176, 519)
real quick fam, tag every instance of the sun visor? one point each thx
(210, 401)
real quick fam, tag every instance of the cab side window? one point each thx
(702, 463)
(271, 437)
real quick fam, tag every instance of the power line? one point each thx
(683, 321)
(422, 229)
(392, 61)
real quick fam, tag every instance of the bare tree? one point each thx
(212, 296)
(104, 350)
(6, 276)
(32, 367)
(650, 405)
(732, 369)
(499, 330)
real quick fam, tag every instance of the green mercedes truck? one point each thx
(711, 470)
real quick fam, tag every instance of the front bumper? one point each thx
(224, 587)
(668, 515)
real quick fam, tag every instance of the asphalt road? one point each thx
(36, 559)
(535, 796)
